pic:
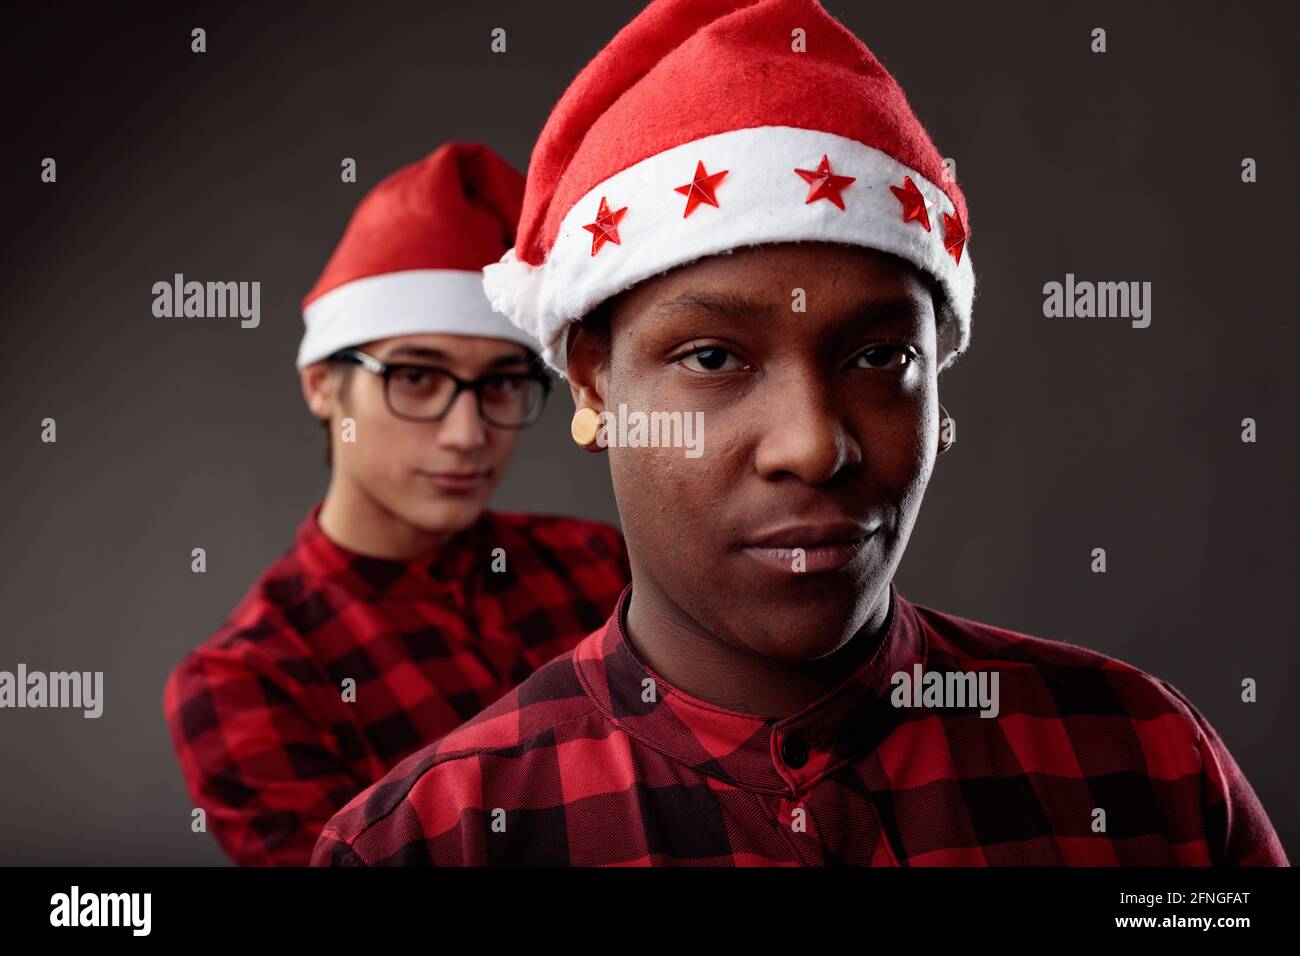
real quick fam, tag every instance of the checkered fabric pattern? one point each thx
(596, 761)
(267, 743)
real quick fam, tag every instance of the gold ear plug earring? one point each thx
(585, 427)
(947, 429)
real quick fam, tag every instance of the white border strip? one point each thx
(402, 303)
(761, 200)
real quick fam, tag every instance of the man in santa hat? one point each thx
(734, 211)
(403, 607)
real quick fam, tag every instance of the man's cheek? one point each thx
(686, 492)
(651, 492)
(496, 456)
(393, 452)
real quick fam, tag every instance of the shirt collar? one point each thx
(764, 754)
(441, 573)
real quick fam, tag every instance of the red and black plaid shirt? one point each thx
(580, 765)
(269, 746)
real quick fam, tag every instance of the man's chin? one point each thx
(445, 516)
(795, 617)
(799, 638)
(840, 590)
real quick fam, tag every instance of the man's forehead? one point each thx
(847, 313)
(725, 304)
(448, 348)
(767, 280)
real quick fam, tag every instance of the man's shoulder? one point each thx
(261, 629)
(559, 532)
(499, 744)
(1046, 676)
(529, 711)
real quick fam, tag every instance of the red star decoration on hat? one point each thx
(700, 189)
(914, 204)
(825, 184)
(605, 228)
(954, 235)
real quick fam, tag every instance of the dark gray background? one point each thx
(1073, 433)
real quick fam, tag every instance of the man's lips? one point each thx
(456, 481)
(809, 547)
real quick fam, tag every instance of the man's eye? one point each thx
(414, 378)
(711, 360)
(885, 357)
(503, 385)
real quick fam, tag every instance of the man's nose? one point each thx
(805, 433)
(462, 427)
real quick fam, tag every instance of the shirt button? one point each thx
(794, 752)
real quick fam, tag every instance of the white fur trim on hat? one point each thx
(411, 302)
(761, 200)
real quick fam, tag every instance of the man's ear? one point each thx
(319, 389)
(588, 367)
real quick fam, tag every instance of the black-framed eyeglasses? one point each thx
(425, 393)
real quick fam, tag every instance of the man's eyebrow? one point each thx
(725, 304)
(506, 361)
(437, 355)
(733, 305)
(882, 311)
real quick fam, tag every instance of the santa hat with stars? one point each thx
(708, 125)
(411, 259)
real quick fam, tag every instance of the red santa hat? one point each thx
(411, 259)
(707, 125)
